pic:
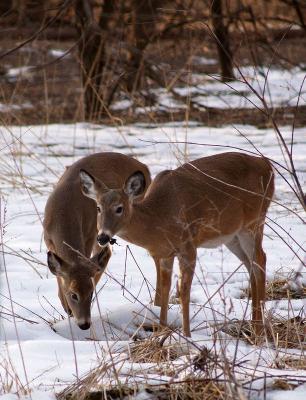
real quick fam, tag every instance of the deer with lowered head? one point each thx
(70, 230)
(214, 200)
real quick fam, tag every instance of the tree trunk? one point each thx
(222, 41)
(144, 14)
(91, 53)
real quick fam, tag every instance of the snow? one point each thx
(57, 53)
(10, 107)
(280, 88)
(37, 346)
(14, 73)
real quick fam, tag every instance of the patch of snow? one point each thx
(121, 105)
(20, 71)
(204, 60)
(278, 87)
(57, 53)
(10, 107)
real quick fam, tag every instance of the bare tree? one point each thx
(144, 18)
(91, 53)
(221, 35)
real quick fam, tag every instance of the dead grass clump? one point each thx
(280, 289)
(109, 393)
(291, 362)
(287, 333)
(283, 384)
(154, 349)
(278, 330)
(240, 330)
(194, 390)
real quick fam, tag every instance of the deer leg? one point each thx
(187, 267)
(157, 299)
(252, 245)
(166, 267)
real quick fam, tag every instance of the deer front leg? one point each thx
(157, 299)
(166, 267)
(187, 266)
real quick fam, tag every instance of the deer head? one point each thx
(113, 205)
(78, 280)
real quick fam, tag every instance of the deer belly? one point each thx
(217, 241)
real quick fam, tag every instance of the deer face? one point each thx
(77, 282)
(114, 206)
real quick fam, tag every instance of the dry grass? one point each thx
(199, 383)
(287, 333)
(194, 390)
(291, 362)
(155, 350)
(282, 384)
(188, 390)
(278, 330)
(280, 289)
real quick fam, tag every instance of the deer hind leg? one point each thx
(251, 243)
(187, 266)
(166, 267)
(157, 299)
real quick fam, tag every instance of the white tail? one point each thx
(215, 200)
(70, 224)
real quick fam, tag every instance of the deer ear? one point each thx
(135, 185)
(54, 263)
(87, 182)
(101, 259)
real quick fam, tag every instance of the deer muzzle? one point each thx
(103, 239)
(84, 325)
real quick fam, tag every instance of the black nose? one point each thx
(103, 239)
(84, 326)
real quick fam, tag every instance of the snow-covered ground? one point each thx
(279, 88)
(37, 349)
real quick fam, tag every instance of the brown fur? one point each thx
(220, 199)
(71, 218)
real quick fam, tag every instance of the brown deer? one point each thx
(215, 200)
(70, 224)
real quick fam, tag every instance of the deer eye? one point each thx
(74, 297)
(99, 209)
(119, 210)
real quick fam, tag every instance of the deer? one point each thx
(212, 201)
(70, 230)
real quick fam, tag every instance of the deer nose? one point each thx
(84, 326)
(103, 239)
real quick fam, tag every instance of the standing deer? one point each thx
(215, 200)
(70, 224)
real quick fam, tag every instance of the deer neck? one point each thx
(141, 227)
